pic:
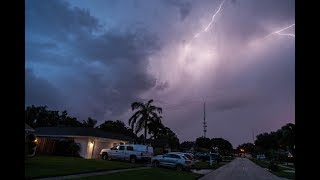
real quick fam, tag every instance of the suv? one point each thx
(130, 152)
(187, 155)
(175, 160)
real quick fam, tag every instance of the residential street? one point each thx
(240, 169)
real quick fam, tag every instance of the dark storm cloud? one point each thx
(104, 72)
(56, 18)
(39, 91)
(184, 7)
(99, 70)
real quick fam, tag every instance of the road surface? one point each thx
(240, 169)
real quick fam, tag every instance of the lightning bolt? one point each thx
(282, 34)
(208, 26)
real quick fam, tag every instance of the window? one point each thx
(173, 156)
(121, 148)
(129, 148)
(185, 158)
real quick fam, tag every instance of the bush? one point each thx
(67, 148)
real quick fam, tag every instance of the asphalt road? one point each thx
(240, 169)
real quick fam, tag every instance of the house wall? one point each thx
(83, 142)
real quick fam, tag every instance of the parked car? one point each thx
(261, 156)
(173, 160)
(187, 155)
(206, 157)
(202, 156)
(216, 157)
(130, 152)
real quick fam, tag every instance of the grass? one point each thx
(280, 173)
(153, 173)
(47, 166)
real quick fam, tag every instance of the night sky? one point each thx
(94, 58)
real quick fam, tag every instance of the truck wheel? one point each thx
(133, 159)
(155, 164)
(104, 156)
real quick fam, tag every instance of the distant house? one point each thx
(90, 140)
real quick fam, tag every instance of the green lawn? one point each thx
(47, 166)
(280, 173)
(153, 174)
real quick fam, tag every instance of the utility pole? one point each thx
(204, 120)
(252, 136)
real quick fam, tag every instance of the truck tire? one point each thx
(104, 156)
(133, 159)
(155, 164)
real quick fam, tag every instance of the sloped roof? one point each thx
(79, 131)
(28, 128)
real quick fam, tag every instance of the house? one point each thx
(30, 141)
(90, 140)
(28, 129)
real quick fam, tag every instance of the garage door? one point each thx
(97, 148)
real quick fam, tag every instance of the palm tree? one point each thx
(145, 114)
(156, 127)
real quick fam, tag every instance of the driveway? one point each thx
(240, 169)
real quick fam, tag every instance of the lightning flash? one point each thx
(208, 26)
(282, 34)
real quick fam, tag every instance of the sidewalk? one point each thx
(92, 174)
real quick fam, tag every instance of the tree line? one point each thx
(274, 144)
(146, 117)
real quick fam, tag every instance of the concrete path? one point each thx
(202, 171)
(240, 169)
(92, 174)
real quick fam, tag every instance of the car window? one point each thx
(121, 148)
(185, 158)
(129, 148)
(175, 156)
(166, 155)
(114, 148)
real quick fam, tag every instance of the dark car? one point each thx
(216, 157)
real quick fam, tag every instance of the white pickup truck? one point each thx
(130, 152)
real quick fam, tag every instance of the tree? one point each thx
(145, 114)
(116, 127)
(247, 147)
(42, 117)
(89, 122)
(224, 146)
(187, 145)
(203, 142)
(156, 128)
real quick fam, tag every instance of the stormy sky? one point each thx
(94, 58)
